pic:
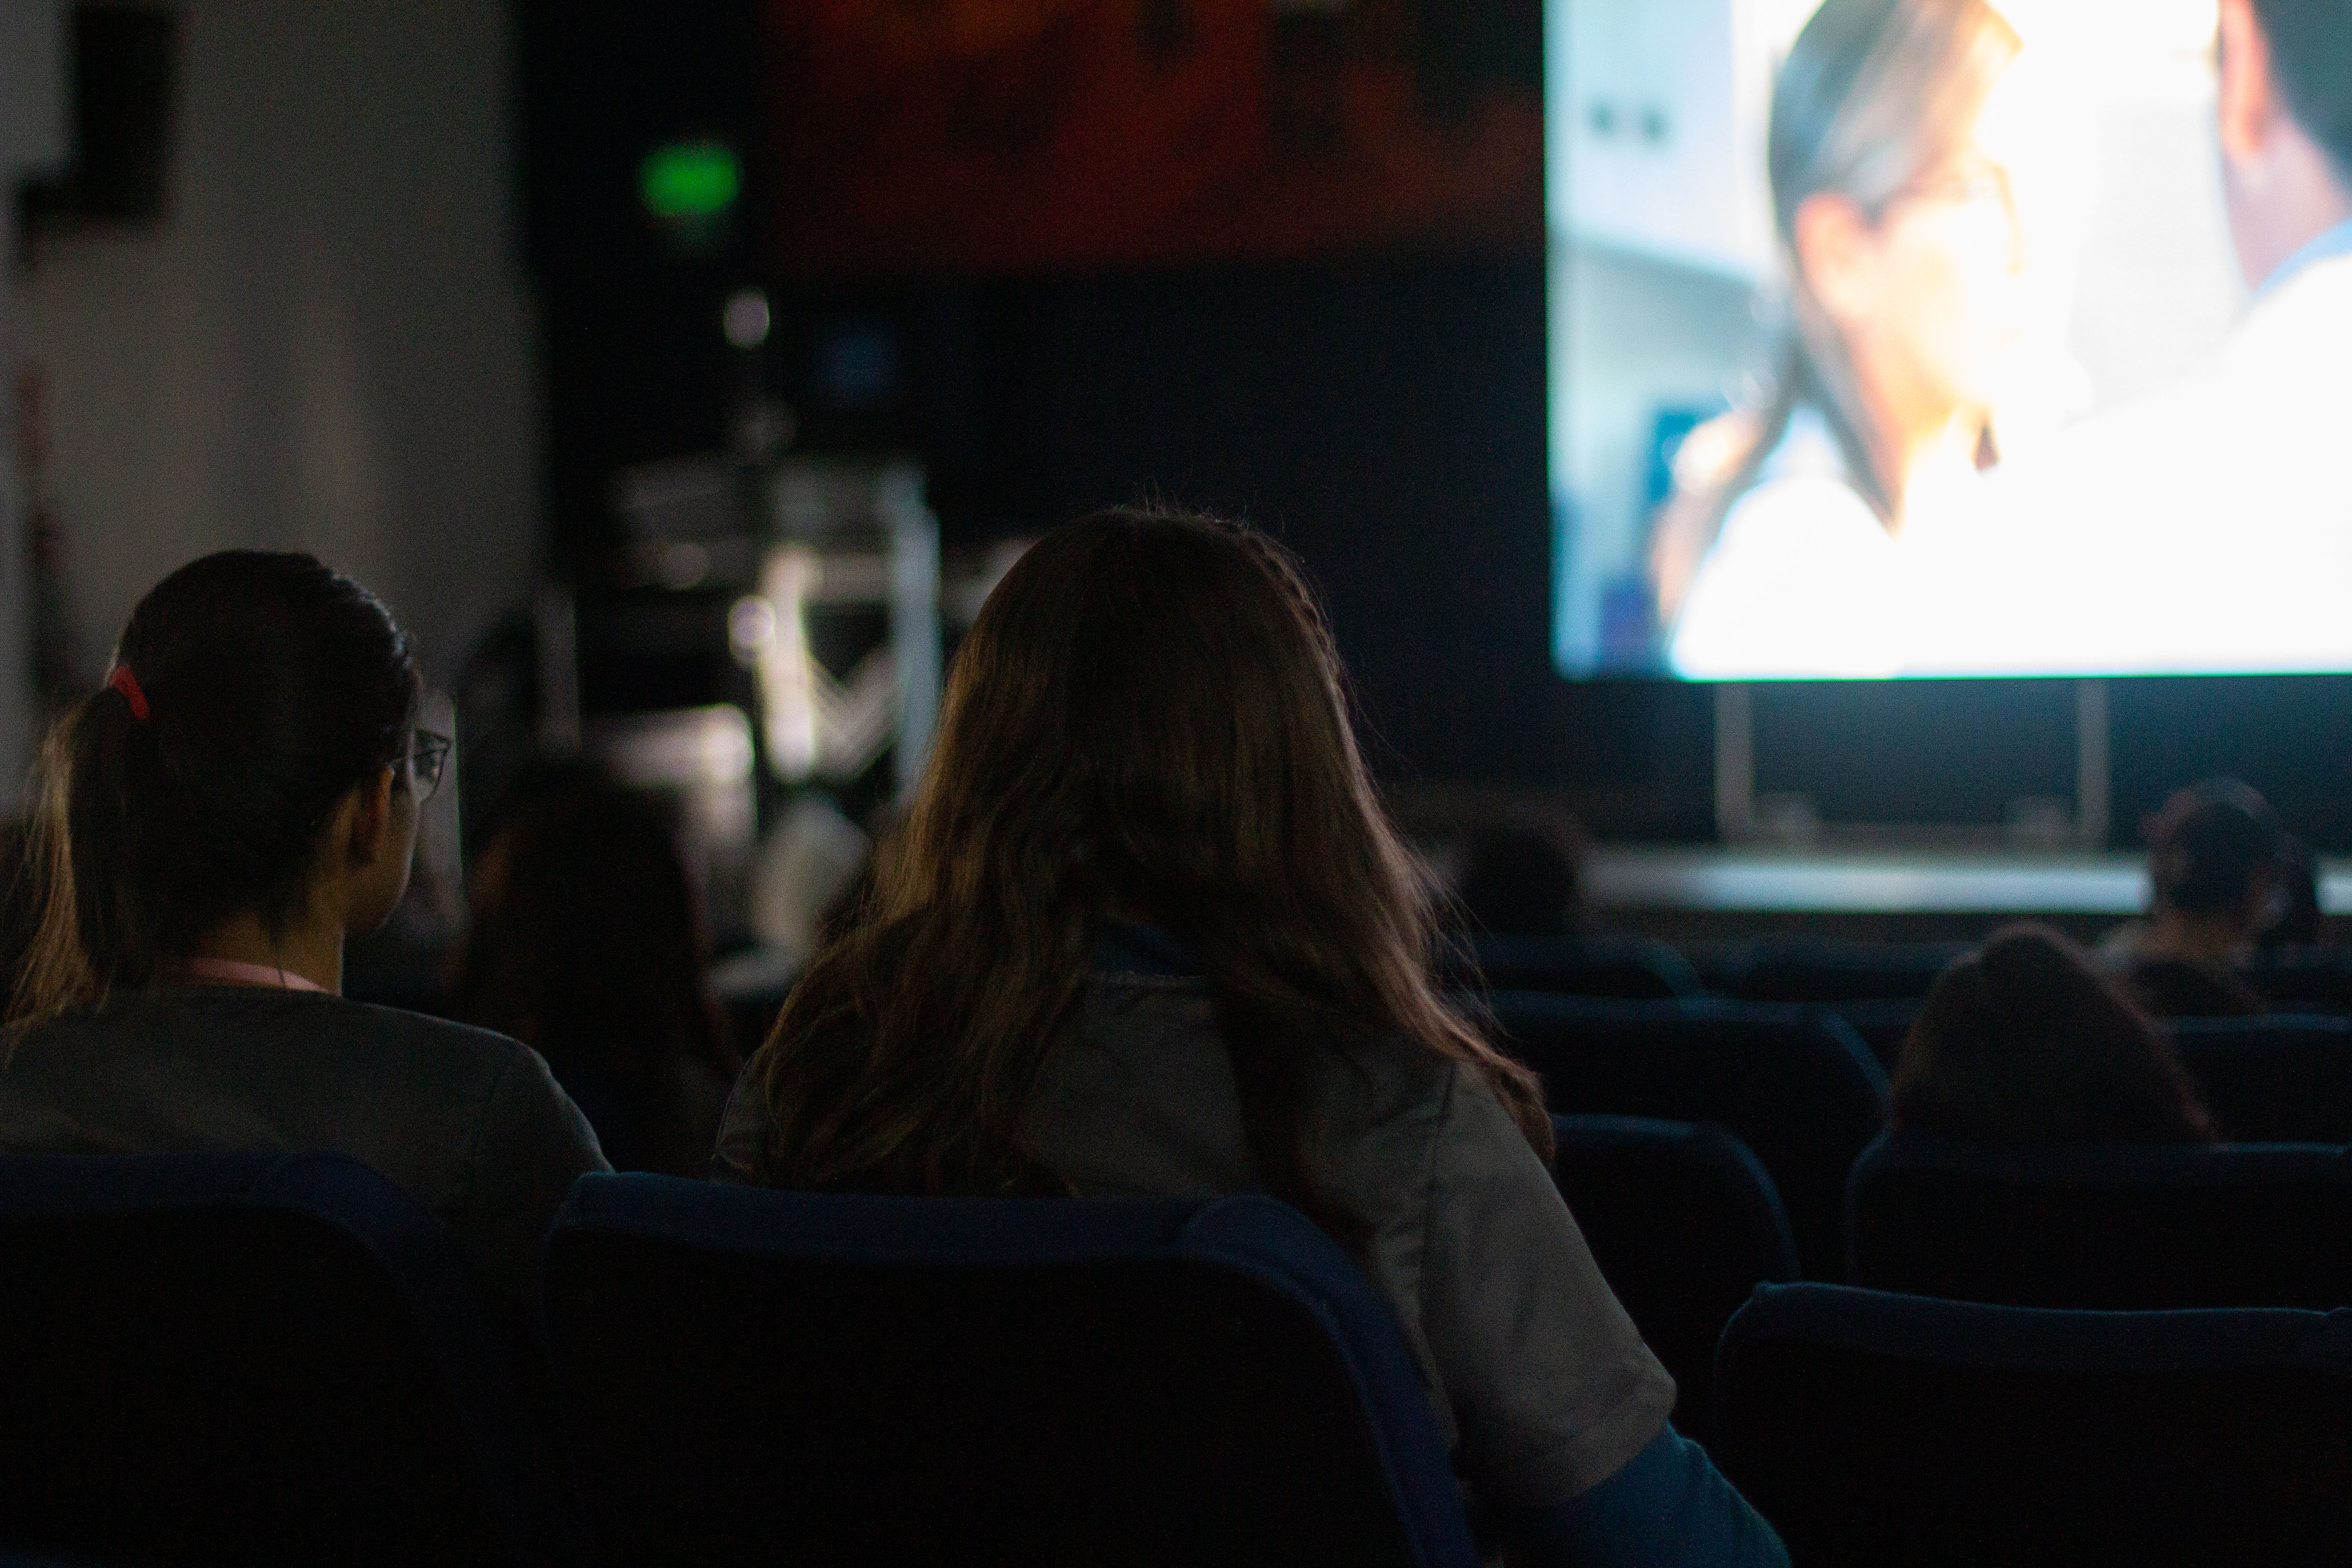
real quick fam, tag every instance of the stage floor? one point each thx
(1876, 882)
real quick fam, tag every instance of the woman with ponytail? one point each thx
(1796, 540)
(240, 798)
(1146, 931)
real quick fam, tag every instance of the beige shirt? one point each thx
(1531, 1364)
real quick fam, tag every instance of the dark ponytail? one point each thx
(272, 688)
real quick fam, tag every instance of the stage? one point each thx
(1711, 893)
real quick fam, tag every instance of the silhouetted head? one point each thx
(585, 940)
(2214, 852)
(2022, 1042)
(1146, 716)
(1521, 881)
(256, 697)
(1146, 722)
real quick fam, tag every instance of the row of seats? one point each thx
(1685, 1222)
(1807, 969)
(1793, 1084)
(1873, 1429)
(2118, 1227)
(261, 1358)
(257, 1358)
(252, 1358)
(1798, 1086)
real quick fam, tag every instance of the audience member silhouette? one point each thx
(213, 823)
(2213, 869)
(586, 944)
(1147, 931)
(2022, 1042)
(1521, 881)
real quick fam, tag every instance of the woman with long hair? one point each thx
(1146, 930)
(1791, 551)
(213, 823)
(585, 943)
(2022, 1042)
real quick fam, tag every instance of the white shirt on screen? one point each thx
(2206, 530)
(1805, 581)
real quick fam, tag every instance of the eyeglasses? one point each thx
(1971, 185)
(428, 754)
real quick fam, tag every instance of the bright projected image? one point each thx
(1937, 338)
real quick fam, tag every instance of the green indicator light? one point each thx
(686, 180)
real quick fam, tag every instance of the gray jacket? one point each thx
(468, 1123)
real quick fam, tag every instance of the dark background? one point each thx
(1383, 414)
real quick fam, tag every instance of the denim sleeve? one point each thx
(1669, 1507)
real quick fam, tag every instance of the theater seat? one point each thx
(1628, 968)
(1884, 1025)
(1793, 1084)
(2273, 1079)
(2119, 1226)
(250, 1359)
(1684, 1222)
(1879, 1429)
(755, 1375)
(2304, 980)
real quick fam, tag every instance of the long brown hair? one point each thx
(2023, 1043)
(1875, 95)
(1147, 720)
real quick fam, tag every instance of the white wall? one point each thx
(32, 142)
(327, 344)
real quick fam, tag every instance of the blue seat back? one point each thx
(1685, 1222)
(2304, 980)
(1792, 1083)
(1625, 968)
(1883, 1026)
(2115, 1226)
(1874, 1429)
(2274, 1079)
(745, 1372)
(251, 1358)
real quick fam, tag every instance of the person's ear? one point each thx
(1835, 245)
(2254, 910)
(2248, 105)
(369, 810)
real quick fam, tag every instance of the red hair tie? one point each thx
(125, 682)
